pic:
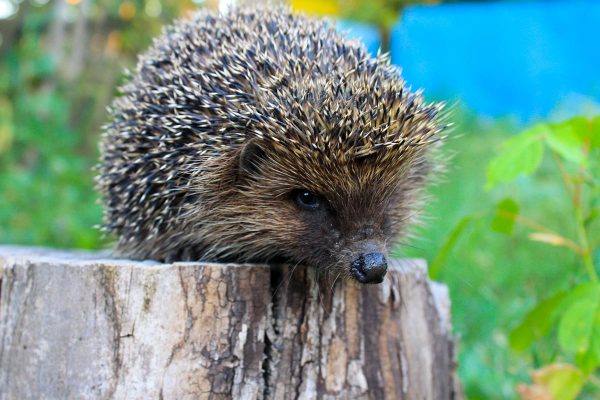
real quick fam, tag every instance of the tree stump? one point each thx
(81, 325)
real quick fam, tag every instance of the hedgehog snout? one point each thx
(369, 268)
(369, 265)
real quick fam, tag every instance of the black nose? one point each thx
(369, 268)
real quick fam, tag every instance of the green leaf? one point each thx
(592, 215)
(580, 125)
(537, 323)
(562, 381)
(587, 130)
(567, 139)
(452, 238)
(577, 326)
(505, 217)
(589, 360)
(521, 155)
(546, 314)
(595, 132)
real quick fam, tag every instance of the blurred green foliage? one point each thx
(508, 286)
(517, 256)
(570, 317)
(44, 165)
(50, 116)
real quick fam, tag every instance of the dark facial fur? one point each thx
(231, 121)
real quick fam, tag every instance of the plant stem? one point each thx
(586, 250)
(574, 188)
(536, 226)
(567, 181)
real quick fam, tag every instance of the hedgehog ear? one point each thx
(250, 158)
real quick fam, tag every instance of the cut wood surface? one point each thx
(81, 325)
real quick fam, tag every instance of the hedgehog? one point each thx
(265, 136)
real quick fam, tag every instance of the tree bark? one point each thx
(81, 325)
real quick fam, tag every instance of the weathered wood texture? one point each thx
(77, 325)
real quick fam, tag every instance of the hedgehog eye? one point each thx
(307, 200)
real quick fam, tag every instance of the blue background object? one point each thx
(368, 34)
(523, 59)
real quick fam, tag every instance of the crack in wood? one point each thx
(271, 330)
(108, 278)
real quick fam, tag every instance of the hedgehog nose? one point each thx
(369, 268)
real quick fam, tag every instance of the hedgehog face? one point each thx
(340, 217)
(351, 236)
